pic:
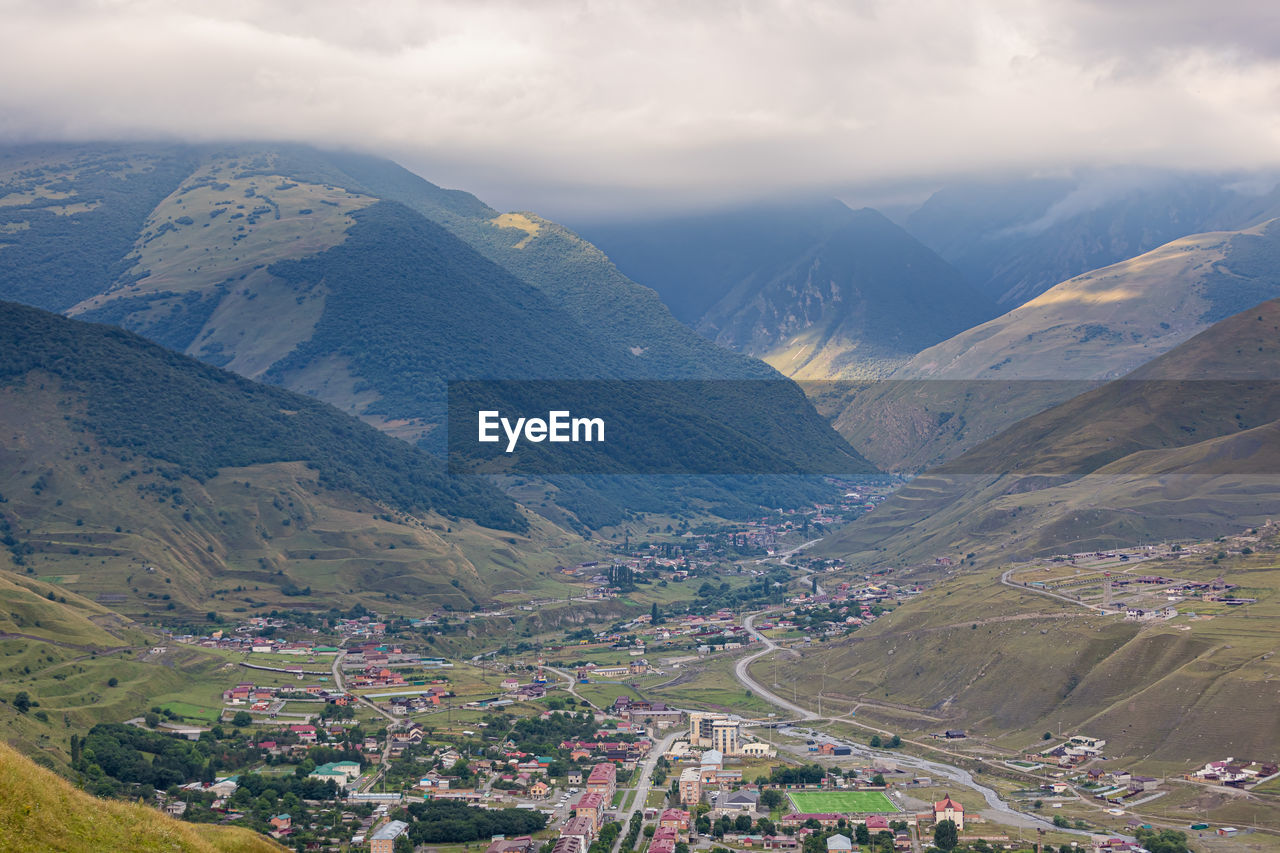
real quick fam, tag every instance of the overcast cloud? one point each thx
(556, 105)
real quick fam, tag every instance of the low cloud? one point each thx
(568, 105)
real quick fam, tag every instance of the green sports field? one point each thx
(842, 802)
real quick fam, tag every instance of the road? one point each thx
(571, 685)
(643, 782)
(1004, 579)
(740, 671)
(393, 723)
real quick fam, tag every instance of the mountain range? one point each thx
(349, 279)
(1089, 329)
(816, 289)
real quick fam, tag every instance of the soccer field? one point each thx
(842, 802)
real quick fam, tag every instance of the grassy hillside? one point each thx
(39, 812)
(1095, 327)
(159, 485)
(70, 214)
(1008, 664)
(1144, 458)
(817, 290)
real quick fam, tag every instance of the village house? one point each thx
(949, 809)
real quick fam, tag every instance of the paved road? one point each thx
(643, 782)
(1004, 579)
(740, 671)
(392, 721)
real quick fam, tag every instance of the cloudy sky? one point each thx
(565, 106)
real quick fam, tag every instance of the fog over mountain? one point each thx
(571, 108)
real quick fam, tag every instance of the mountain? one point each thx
(145, 479)
(40, 811)
(349, 279)
(1092, 328)
(815, 289)
(1184, 446)
(1014, 239)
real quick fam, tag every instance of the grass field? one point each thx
(842, 802)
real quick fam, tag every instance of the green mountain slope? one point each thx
(1151, 456)
(817, 290)
(1092, 328)
(119, 455)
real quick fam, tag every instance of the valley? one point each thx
(244, 584)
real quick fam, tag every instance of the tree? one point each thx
(742, 823)
(875, 742)
(861, 834)
(1047, 736)
(242, 719)
(22, 702)
(945, 835)
(895, 742)
(1060, 821)
(403, 844)
(771, 799)
(878, 780)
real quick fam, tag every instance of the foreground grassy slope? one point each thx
(1146, 458)
(40, 812)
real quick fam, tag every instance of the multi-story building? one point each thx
(603, 780)
(690, 786)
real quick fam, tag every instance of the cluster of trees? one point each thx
(451, 822)
(808, 774)
(115, 751)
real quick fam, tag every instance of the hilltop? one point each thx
(39, 812)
